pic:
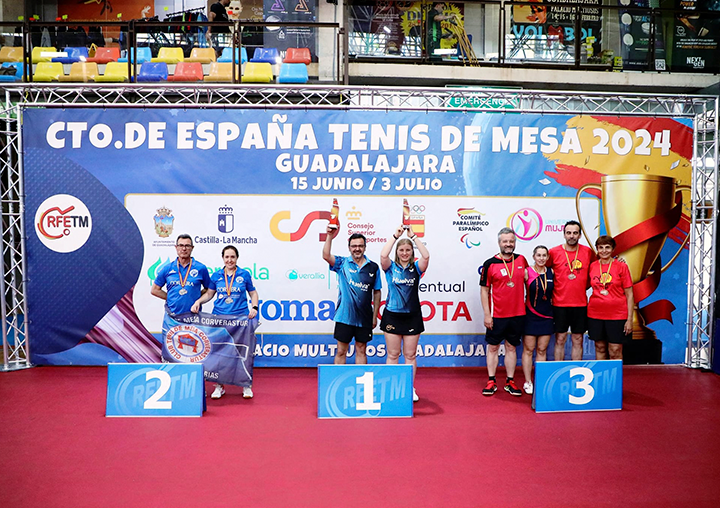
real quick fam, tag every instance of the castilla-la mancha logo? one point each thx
(187, 344)
(63, 223)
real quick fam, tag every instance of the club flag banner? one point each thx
(224, 345)
(108, 192)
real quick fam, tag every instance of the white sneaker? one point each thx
(415, 396)
(247, 392)
(528, 387)
(218, 392)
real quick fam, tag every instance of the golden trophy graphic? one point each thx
(639, 211)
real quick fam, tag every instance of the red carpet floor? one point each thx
(460, 450)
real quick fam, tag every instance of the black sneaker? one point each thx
(490, 388)
(512, 389)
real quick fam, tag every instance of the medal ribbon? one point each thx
(228, 287)
(510, 274)
(571, 265)
(604, 280)
(183, 281)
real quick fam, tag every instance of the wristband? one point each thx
(255, 307)
(395, 237)
(413, 237)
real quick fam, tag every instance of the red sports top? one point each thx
(505, 301)
(570, 292)
(614, 304)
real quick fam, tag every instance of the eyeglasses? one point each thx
(184, 246)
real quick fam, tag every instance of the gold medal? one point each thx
(605, 278)
(228, 286)
(510, 271)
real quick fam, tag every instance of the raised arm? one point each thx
(424, 254)
(327, 246)
(385, 261)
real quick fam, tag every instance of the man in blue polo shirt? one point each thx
(185, 278)
(359, 297)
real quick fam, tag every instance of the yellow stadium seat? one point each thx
(222, 72)
(115, 72)
(202, 55)
(11, 54)
(170, 55)
(48, 71)
(81, 72)
(38, 51)
(257, 72)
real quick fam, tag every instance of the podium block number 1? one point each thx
(366, 380)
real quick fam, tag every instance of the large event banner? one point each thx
(109, 191)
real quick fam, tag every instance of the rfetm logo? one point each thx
(527, 224)
(301, 231)
(63, 223)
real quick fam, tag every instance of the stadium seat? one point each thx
(297, 55)
(18, 72)
(38, 51)
(81, 72)
(115, 72)
(153, 71)
(267, 55)
(48, 71)
(227, 55)
(188, 71)
(143, 55)
(202, 55)
(74, 54)
(169, 55)
(293, 73)
(222, 72)
(257, 72)
(105, 55)
(11, 54)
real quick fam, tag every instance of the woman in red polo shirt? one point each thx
(610, 308)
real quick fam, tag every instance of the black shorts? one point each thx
(611, 331)
(574, 318)
(506, 329)
(346, 333)
(402, 323)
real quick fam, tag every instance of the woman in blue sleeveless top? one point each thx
(402, 318)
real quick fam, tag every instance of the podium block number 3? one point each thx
(366, 380)
(583, 384)
(154, 402)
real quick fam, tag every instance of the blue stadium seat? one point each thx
(267, 55)
(153, 71)
(293, 73)
(143, 55)
(74, 54)
(227, 55)
(18, 72)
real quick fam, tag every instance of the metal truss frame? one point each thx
(701, 110)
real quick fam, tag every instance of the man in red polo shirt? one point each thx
(570, 262)
(502, 293)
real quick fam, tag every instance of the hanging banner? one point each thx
(284, 37)
(109, 191)
(224, 345)
(696, 37)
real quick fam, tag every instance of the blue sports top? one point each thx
(197, 279)
(354, 305)
(403, 288)
(240, 287)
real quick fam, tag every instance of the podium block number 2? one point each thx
(366, 380)
(583, 384)
(154, 402)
